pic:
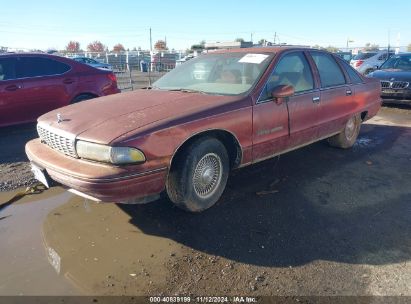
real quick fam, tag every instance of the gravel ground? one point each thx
(14, 166)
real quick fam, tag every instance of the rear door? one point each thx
(12, 99)
(336, 98)
(47, 84)
(279, 126)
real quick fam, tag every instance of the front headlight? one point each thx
(114, 155)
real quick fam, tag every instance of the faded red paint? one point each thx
(160, 122)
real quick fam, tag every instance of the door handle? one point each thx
(348, 93)
(68, 81)
(316, 99)
(12, 87)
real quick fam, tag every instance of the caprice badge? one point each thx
(59, 118)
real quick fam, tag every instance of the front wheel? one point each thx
(198, 175)
(347, 137)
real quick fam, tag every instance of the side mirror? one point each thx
(282, 91)
(376, 67)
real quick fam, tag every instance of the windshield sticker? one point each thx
(253, 58)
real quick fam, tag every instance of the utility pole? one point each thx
(151, 42)
(251, 37)
(389, 38)
(275, 37)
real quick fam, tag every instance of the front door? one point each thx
(279, 127)
(45, 84)
(12, 99)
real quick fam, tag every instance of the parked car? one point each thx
(367, 62)
(184, 135)
(33, 84)
(94, 63)
(395, 77)
(347, 56)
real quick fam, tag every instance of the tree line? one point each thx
(98, 47)
(161, 45)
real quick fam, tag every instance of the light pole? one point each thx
(348, 41)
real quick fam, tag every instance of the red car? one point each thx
(34, 84)
(186, 133)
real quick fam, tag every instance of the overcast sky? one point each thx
(51, 24)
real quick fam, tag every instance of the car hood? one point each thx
(104, 119)
(388, 74)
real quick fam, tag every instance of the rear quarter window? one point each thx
(355, 78)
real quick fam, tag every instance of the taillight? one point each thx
(358, 63)
(112, 77)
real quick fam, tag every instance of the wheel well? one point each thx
(364, 115)
(229, 141)
(91, 95)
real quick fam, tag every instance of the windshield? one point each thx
(400, 62)
(222, 74)
(362, 56)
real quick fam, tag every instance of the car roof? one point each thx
(405, 54)
(31, 54)
(271, 49)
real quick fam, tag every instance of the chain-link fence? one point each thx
(134, 69)
(134, 78)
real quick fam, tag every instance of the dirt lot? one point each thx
(316, 221)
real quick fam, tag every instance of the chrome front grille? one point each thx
(394, 84)
(57, 140)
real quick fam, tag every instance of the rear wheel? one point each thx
(347, 137)
(199, 175)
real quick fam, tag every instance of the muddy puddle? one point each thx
(58, 243)
(25, 269)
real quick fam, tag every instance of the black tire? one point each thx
(347, 137)
(198, 175)
(82, 97)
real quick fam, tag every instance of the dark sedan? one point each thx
(395, 77)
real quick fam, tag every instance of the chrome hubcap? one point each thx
(350, 128)
(207, 175)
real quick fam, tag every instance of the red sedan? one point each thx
(34, 84)
(186, 133)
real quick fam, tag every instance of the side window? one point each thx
(37, 66)
(293, 69)
(330, 73)
(7, 69)
(355, 78)
(384, 56)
